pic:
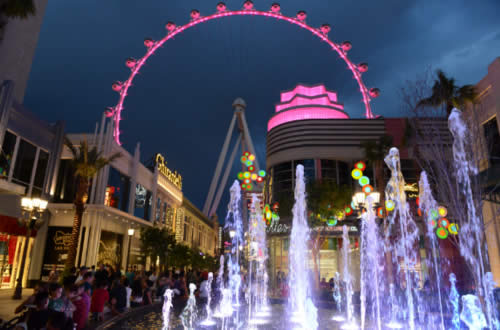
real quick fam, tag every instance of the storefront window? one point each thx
(142, 202)
(117, 190)
(24, 163)
(41, 169)
(9, 143)
(158, 210)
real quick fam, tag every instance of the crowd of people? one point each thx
(86, 296)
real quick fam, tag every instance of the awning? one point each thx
(9, 225)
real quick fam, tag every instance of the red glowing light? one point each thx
(173, 31)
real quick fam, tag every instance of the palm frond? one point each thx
(71, 147)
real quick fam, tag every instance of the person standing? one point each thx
(118, 297)
(99, 299)
(82, 308)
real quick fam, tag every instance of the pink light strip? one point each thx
(304, 114)
(126, 85)
(308, 91)
(300, 100)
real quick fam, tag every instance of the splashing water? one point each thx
(454, 301)
(208, 320)
(188, 315)
(337, 297)
(371, 270)
(302, 311)
(429, 206)
(472, 314)
(235, 224)
(347, 279)
(404, 248)
(167, 305)
(471, 232)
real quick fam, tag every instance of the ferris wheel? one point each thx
(222, 11)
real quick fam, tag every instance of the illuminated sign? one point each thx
(174, 177)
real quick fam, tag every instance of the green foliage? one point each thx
(180, 256)
(18, 8)
(327, 199)
(157, 243)
(445, 93)
(88, 162)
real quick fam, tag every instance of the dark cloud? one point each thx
(180, 103)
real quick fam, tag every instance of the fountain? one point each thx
(372, 253)
(208, 320)
(429, 208)
(337, 297)
(303, 310)
(402, 248)
(454, 302)
(471, 232)
(167, 305)
(347, 280)
(189, 313)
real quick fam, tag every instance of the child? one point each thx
(56, 303)
(99, 299)
(39, 317)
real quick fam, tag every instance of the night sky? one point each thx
(180, 104)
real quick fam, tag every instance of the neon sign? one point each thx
(174, 177)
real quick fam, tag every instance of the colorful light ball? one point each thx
(259, 179)
(243, 186)
(251, 168)
(254, 177)
(332, 222)
(367, 189)
(433, 223)
(251, 157)
(269, 215)
(249, 163)
(442, 211)
(419, 212)
(356, 174)
(380, 212)
(442, 233)
(444, 223)
(246, 175)
(243, 159)
(434, 215)
(246, 154)
(363, 181)
(348, 210)
(262, 173)
(247, 181)
(453, 228)
(417, 200)
(389, 205)
(249, 186)
(360, 165)
(240, 176)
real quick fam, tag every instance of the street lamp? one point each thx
(130, 233)
(32, 210)
(232, 233)
(360, 202)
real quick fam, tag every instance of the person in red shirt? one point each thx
(99, 299)
(82, 305)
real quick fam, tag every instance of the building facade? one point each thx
(29, 164)
(486, 114)
(311, 128)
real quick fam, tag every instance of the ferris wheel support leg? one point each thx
(220, 162)
(248, 140)
(224, 179)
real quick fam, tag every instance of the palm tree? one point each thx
(21, 9)
(446, 93)
(86, 164)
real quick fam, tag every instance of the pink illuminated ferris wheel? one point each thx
(248, 10)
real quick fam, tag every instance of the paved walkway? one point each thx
(7, 304)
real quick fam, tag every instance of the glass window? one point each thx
(66, 183)
(185, 232)
(158, 210)
(9, 143)
(117, 190)
(164, 218)
(344, 173)
(24, 163)
(142, 202)
(41, 169)
(492, 136)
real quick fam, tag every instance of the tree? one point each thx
(325, 199)
(21, 9)
(157, 243)
(445, 93)
(86, 164)
(180, 256)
